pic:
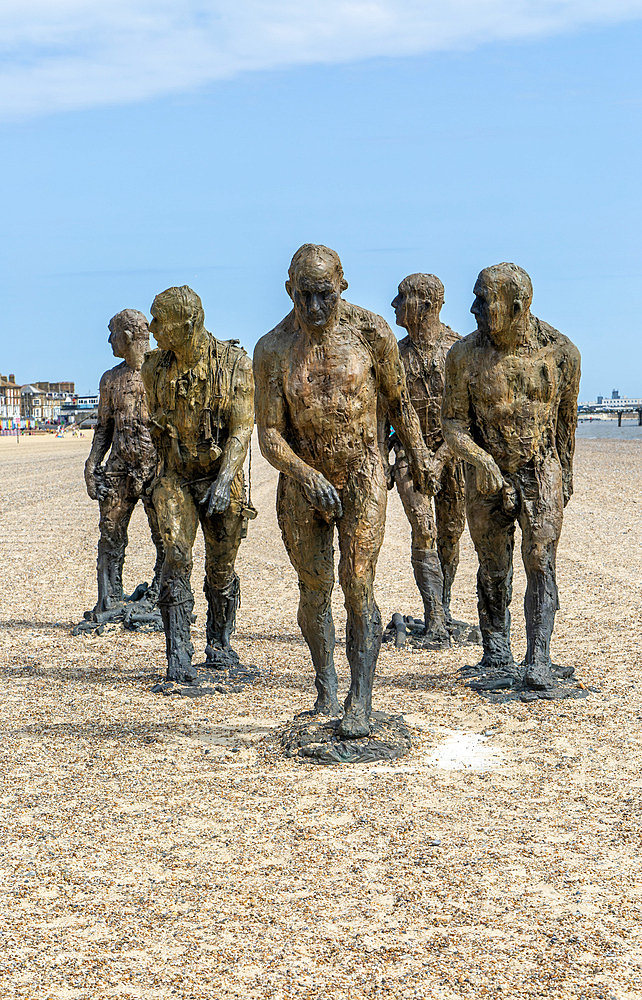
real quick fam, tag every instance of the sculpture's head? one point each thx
(315, 284)
(128, 328)
(503, 295)
(177, 313)
(419, 296)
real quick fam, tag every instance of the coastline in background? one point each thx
(608, 428)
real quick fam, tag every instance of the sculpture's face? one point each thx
(316, 293)
(169, 329)
(412, 302)
(494, 306)
(119, 340)
(405, 306)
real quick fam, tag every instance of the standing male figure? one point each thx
(434, 549)
(318, 373)
(125, 478)
(510, 412)
(201, 401)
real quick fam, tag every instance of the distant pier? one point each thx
(615, 406)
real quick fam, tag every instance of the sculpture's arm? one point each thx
(402, 414)
(271, 423)
(567, 422)
(383, 438)
(455, 422)
(241, 422)
(103, 436)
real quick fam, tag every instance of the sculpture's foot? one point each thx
(218, 657)
(327, 703)
(181, 673)
(539, 675)
(321, 742)
(436, 637)
(355, 723)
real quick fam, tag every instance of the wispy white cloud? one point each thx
(70, 54)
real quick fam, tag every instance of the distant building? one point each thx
(66, 388)
(9, 402)
(41, 403)
(79, 409)
(613, 405)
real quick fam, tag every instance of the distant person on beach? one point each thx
(122, 430)
(510, 412)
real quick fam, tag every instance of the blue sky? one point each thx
(140, 153)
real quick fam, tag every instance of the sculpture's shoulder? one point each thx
(236, 357)
(273, 348)
(112, 378)
(369, 326)
(154, 363)
(449, 337)
(558, 342)
(463, 350)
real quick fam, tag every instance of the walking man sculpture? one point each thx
(201, 400)
(434, 548)
(317, 375)
(125, 478)
(510, 412)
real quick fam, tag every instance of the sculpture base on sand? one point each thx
(315, 739)
(227, 681)
(499, 685)
(136, 612)
(407, 632)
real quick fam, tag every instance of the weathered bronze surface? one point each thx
(201, 396)
(510, 412)
(317, 375)
(435, 537)
(122, 430)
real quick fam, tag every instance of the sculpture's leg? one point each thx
(423, 556)
(541, 523)
(115, 515)
(493, 534)
(222, 604)
(308, 541)
(450, 511)
(177, 521)
(430, 581)
(152, 518)
(361, 532)
(222, 534)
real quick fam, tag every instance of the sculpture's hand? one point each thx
(218, 496)
(488, 477)
(322, 495)
(90, 480)
(425, 475)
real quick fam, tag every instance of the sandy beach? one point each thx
(159, 847)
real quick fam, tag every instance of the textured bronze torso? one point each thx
(123, 401)
(515, 397)
(425, 379)
(193, 406)
(331, 391)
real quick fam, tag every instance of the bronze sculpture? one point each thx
(510, 412)
(317, 375)
(201, 400)
(122, 430)
(435, 537)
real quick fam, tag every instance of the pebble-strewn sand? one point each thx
(157, 848)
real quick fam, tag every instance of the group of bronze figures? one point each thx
(481, 427)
